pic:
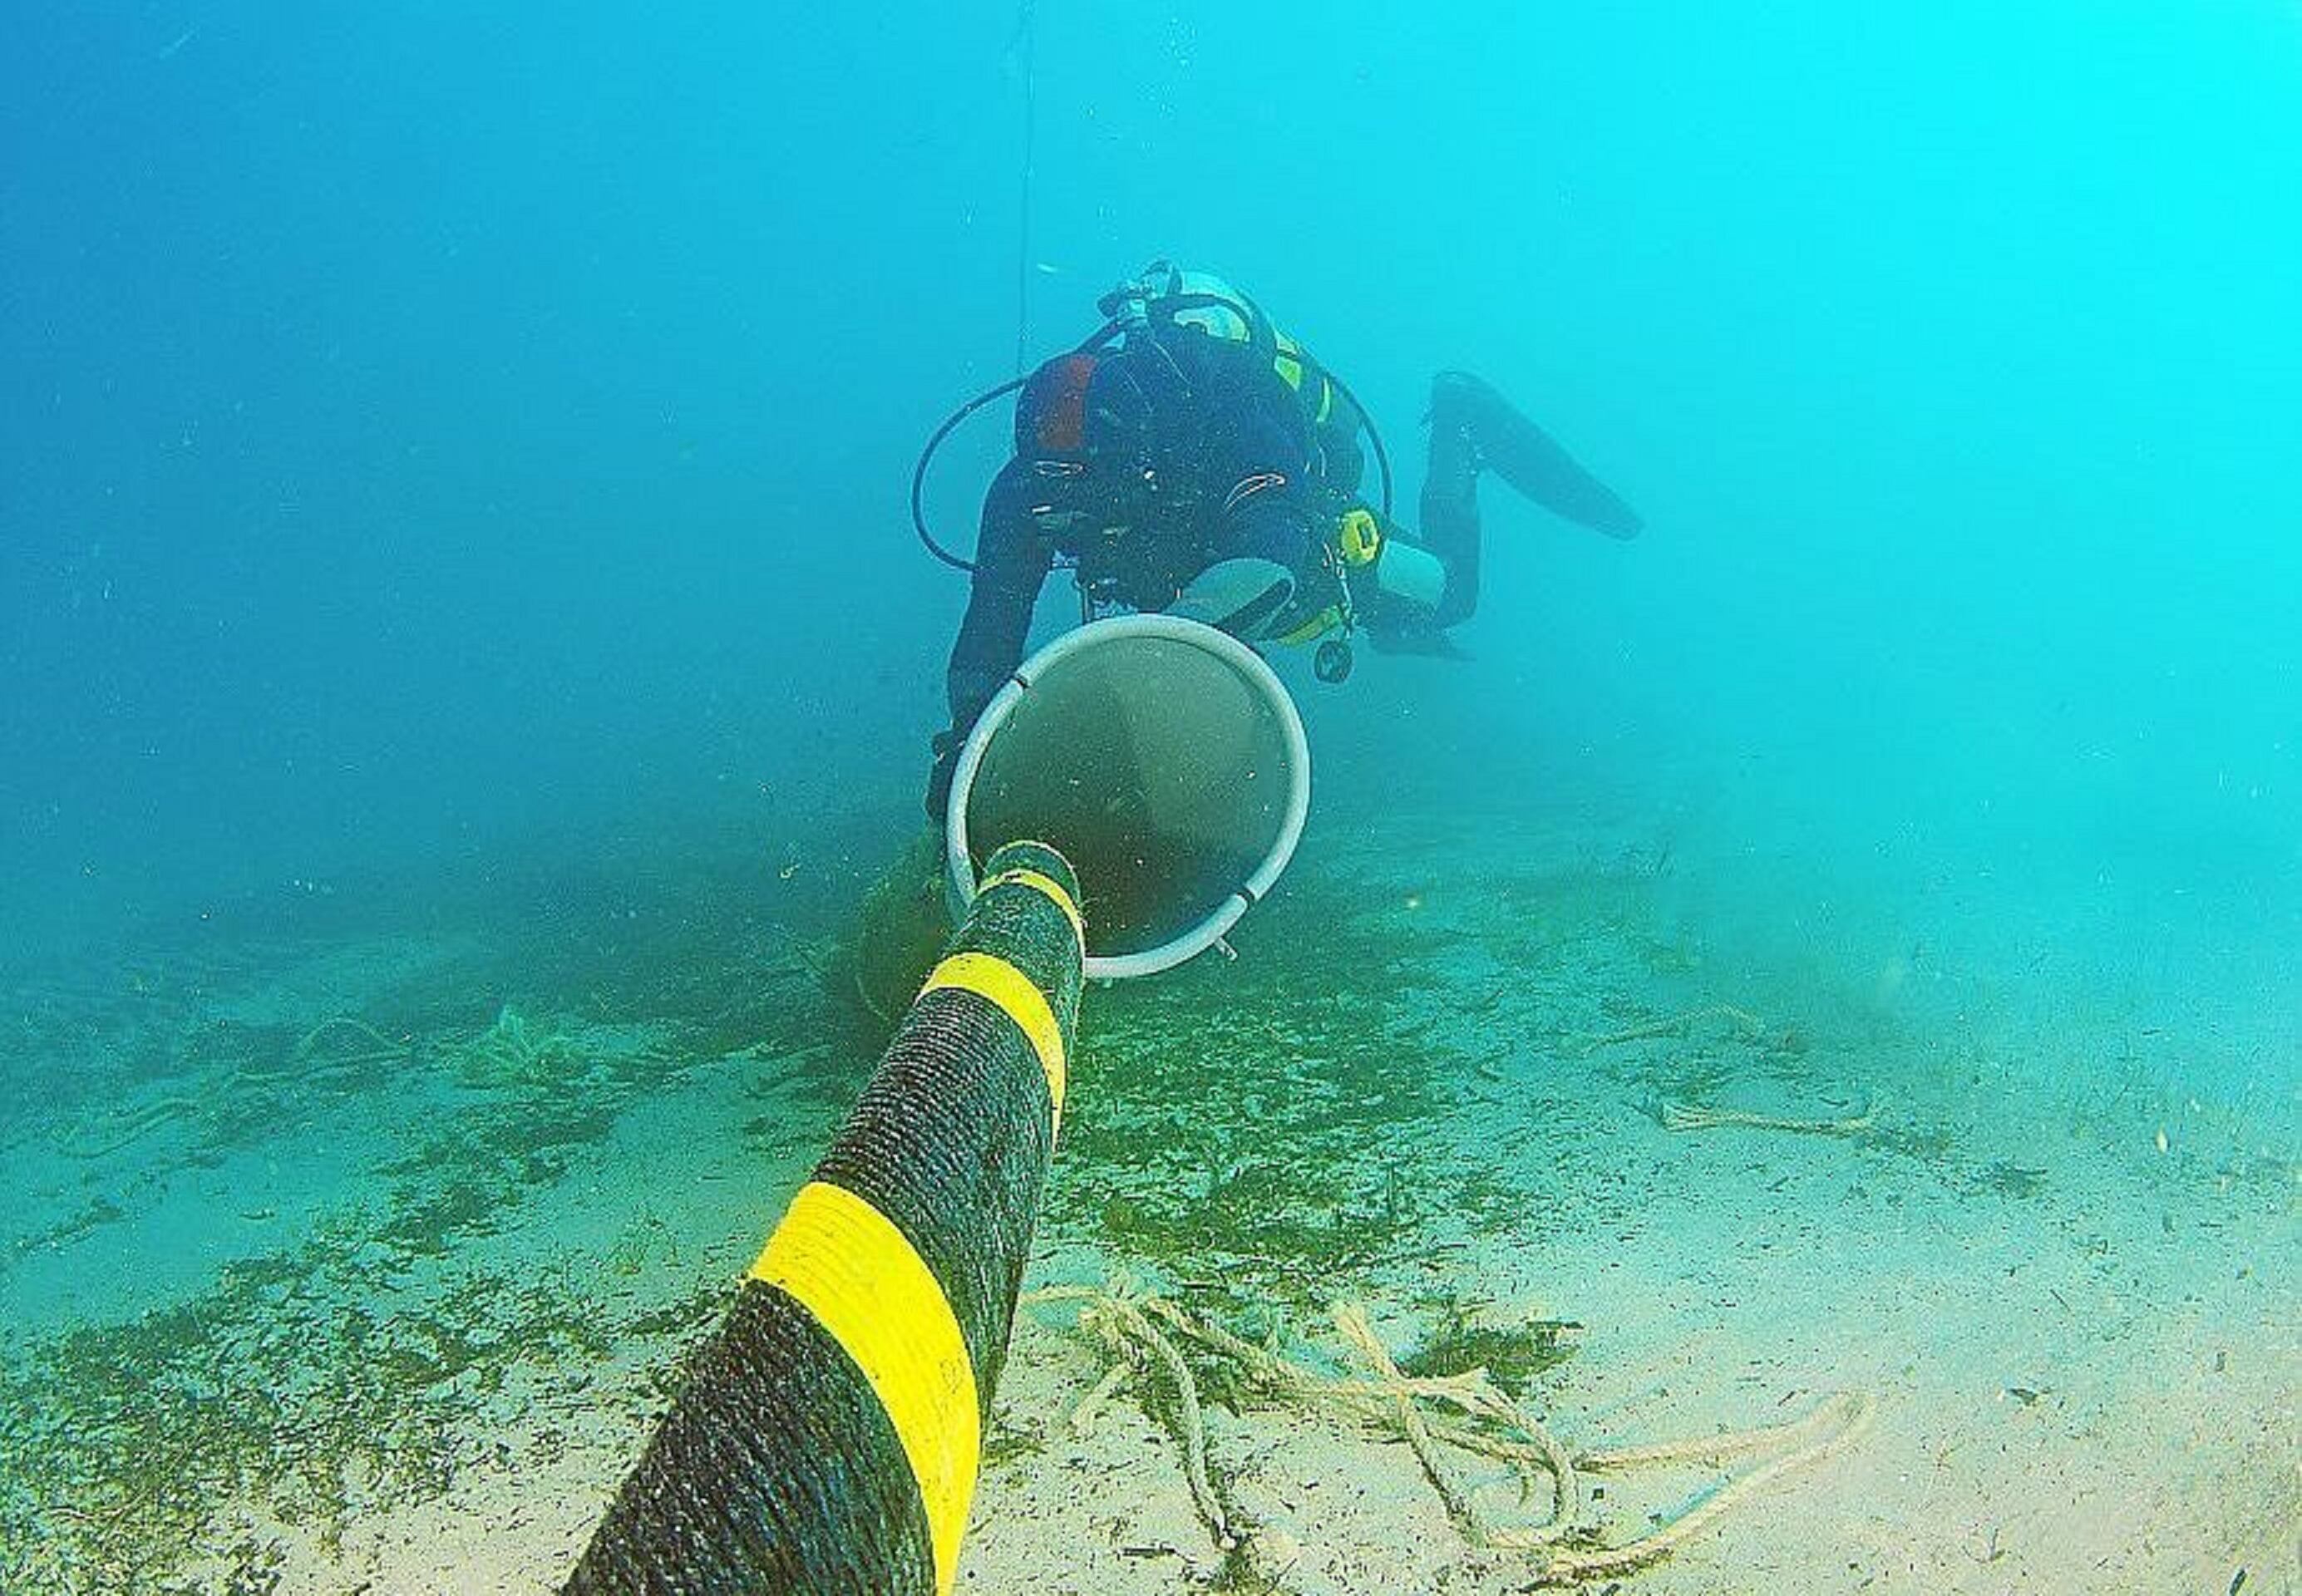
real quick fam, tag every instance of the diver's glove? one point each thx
(1247, 598)
(944, 746)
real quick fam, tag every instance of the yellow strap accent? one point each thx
(1327, 620)
(846, 1262)
(1010, 990)
(1052, 888)
(1288, 364)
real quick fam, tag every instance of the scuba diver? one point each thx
(1191, 457)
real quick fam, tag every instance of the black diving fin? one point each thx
(1527, 458)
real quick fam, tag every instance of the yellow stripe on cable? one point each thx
(1010, 992)
(846, 1263)
(1048, 887)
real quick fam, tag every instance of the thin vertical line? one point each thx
(1027, 35)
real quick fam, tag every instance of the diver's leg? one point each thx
(1527, 458)
(1451, 500)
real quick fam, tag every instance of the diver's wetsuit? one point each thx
(1145, 464)
(1449, 504)
(1149, 463)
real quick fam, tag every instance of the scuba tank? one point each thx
(1163, 295)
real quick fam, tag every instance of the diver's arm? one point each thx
(1011, 561)
(1268, 516)
(1267, 562)
(1267, 534)
(1271, 498)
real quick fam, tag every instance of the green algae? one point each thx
(2011, 1179)
(1276, 1132)
(1513, 1355)
(286, 1388)
(1011, 1440)
(514, 1056)
(1277, 1120)
(375, 1362)
(90, 1216)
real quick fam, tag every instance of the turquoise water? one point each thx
(464, 659)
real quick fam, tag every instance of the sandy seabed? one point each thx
(298, 1308)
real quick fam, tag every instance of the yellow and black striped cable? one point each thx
(827, 1437)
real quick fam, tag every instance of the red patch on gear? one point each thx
(1052, 419)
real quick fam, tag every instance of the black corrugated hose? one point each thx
(827, 1436)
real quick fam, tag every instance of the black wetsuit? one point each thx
(1143, 466)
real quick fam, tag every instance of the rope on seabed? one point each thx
(1139, 1328)
(1116, 1317)
(1690, 1116)
(1351, 1320)
(1672, 1025)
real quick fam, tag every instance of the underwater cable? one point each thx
(829, 1433)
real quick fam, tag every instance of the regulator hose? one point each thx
(1101, 336)
(927, 458)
